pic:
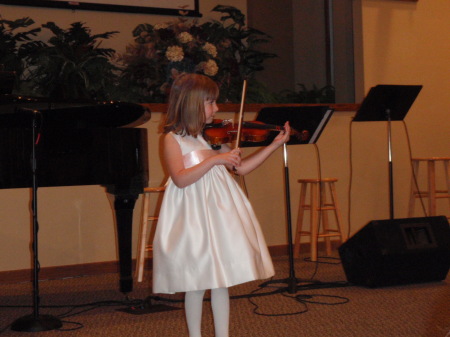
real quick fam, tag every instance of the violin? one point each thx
(225, 131)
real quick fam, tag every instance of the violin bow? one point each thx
(241, 115)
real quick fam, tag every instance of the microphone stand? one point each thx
(292, 282)
(35, 322)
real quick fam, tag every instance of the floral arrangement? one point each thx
(221, 50)
(72, 65)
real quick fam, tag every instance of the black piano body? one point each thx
(79, 144)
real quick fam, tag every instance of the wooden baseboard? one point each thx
(283, 250)
(46, 273)
(57, 272)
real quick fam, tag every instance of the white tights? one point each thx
(220, 303)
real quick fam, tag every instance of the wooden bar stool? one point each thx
(318, 207)
(432, 193)
(143, 240)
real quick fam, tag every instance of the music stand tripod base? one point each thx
(33, 323)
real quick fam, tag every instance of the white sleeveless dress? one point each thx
(207, 235)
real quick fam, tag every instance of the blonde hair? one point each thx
(186, 109)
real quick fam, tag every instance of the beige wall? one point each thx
(403, 43)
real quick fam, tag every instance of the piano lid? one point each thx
(18, 111)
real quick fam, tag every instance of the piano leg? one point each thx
(124, 206)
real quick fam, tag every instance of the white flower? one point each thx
(209, 67)
(210, 49)
(174, 53)
(163, 25)
(185, 37)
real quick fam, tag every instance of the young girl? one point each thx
(207, 235)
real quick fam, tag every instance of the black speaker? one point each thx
(398, 251)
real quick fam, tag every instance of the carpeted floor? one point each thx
(93, 306)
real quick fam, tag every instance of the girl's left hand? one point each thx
(283, 136)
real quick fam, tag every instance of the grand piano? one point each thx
(78, 143)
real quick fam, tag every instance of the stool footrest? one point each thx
(307, 207)
(321, 234)
(304, 233)
(425, 193)
(327, 235)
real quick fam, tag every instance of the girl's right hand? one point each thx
(230, 159)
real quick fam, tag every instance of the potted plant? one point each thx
(15, 45)
(325, 94)
(72, 65)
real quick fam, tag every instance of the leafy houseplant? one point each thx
(223, 50)
(13, 45)
(325, 94)
(72, 65)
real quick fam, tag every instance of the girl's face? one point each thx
(210, 110)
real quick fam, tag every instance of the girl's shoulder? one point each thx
(189, 143)
(172, 135)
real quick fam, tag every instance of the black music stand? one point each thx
(308, 123)
(388, 103)
(35, 322)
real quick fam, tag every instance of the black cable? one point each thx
(350, 159)
(319, 173)
(304, 299)
(308, 299)
(308, 259)
(416, 184)
(256, 308)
